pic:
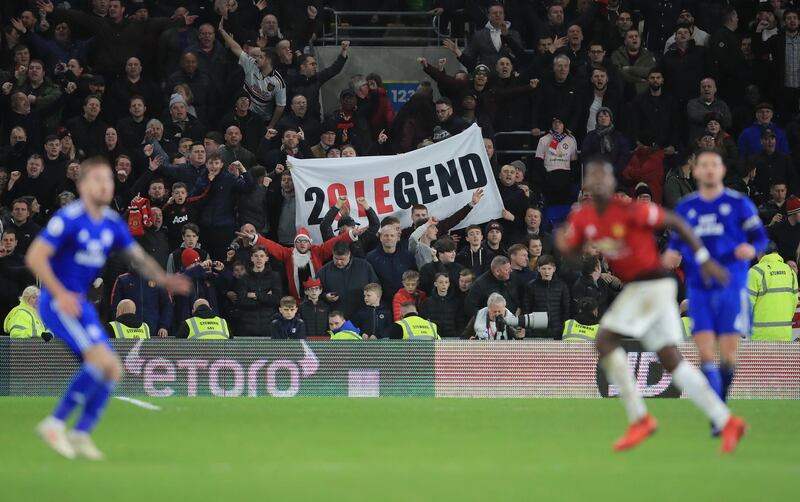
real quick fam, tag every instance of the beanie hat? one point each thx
(175, 99)
(189, 257)
(302, 233)
(606, 110)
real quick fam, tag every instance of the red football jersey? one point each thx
(624, 234)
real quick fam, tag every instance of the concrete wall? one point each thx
(391, 63)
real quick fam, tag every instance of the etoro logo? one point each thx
(159, 374)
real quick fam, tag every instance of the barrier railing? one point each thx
(258, 367)
(417, 28)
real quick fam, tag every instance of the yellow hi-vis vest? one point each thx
(23, 322)
(772, 285)
(213, 328)
(577, 332)
(345, 334)
(417, 328)
(122, 331)
(687, 324)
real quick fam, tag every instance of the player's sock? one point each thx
(82, 387)
(616, 368)
(687, 378)
(713, 376)
(727, 379)
(94, 407)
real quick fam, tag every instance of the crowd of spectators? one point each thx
(197, 105)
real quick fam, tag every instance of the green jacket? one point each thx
(772, 285)
(636, 73)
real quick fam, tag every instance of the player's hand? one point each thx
(744, 251)
(177, 283)
(163, 333)
(713, 270)
(69, 303)
(671, 259)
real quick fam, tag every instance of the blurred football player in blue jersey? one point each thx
(66, 257)
(728, 224)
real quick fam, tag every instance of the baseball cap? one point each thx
(347, 221)
(764, 106)
(346, 92)
(768, 133)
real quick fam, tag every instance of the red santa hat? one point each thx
(302, 233)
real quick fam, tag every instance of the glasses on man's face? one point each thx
(597, 51)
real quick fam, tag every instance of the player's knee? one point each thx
(606, 342)
(669, 357)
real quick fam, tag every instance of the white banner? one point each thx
(442, 176)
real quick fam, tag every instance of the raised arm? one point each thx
(229, 41)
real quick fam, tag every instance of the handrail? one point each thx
(336, 36)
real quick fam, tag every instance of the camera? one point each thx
(534, 320)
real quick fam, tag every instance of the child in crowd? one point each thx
(410, 293)
(476, 256)
(314, 310)
(190, 235)
(286, 324)
(374, 319)
(443, 308)
(180, 210)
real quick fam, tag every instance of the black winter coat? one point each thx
(315, 317)
(551, 297)
(512, 290)
(445, 311)
(257, 313)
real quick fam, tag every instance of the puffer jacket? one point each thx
(315, 317)
(445, 311)
(551, 297)
(257, 314)
(375, 321)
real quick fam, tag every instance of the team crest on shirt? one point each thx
(618, 230)
(270, 87)
(611, 248)
(725, 209)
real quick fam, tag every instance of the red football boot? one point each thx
(636, 433)
(732, 433)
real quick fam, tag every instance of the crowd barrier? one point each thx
(257, 367)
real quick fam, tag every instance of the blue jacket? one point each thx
(153, 305)
(390, 267)
(221, 198)
(749, 143)
(374, 320)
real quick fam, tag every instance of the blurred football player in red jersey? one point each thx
(645, 309)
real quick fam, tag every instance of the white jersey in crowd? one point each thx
(265, 91)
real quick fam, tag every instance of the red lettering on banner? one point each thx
(381, 193)
(334, 191)
(360, 193)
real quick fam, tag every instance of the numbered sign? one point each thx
(400, 91)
